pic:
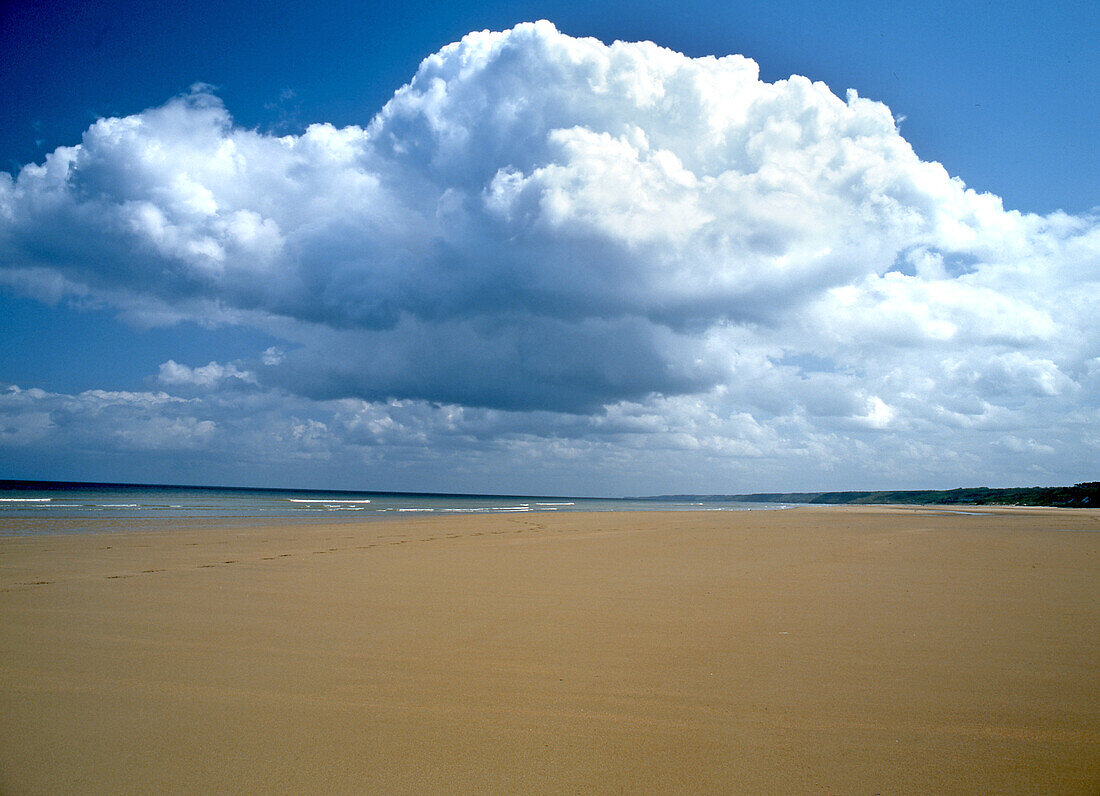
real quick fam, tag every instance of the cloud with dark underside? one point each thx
(538, 223)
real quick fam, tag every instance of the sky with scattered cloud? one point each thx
(548, 264)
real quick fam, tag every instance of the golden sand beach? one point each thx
(833, 650)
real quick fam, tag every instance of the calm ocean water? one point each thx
(101, 506)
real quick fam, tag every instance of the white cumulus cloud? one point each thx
(559, 227)
(172, 372)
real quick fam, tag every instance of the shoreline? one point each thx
(845, 648)
(18, 527)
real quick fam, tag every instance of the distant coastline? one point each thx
(1083, 495)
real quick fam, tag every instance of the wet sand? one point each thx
(833, 650)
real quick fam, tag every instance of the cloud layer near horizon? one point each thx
(563, 232)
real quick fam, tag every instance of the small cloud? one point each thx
(1028, 446)
(171, 372)
(273, 356)
(878, 415)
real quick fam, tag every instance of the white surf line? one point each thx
(25, 500)
(318, 500)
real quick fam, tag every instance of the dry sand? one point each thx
(834, 650)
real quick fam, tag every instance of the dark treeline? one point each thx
(1079, 496)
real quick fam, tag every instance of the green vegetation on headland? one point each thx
(1085, 495)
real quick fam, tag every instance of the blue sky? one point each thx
(529, 333)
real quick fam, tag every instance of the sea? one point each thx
(82, 506)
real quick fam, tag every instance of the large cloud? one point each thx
(542, 223)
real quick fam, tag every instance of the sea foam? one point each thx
(318, 500)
